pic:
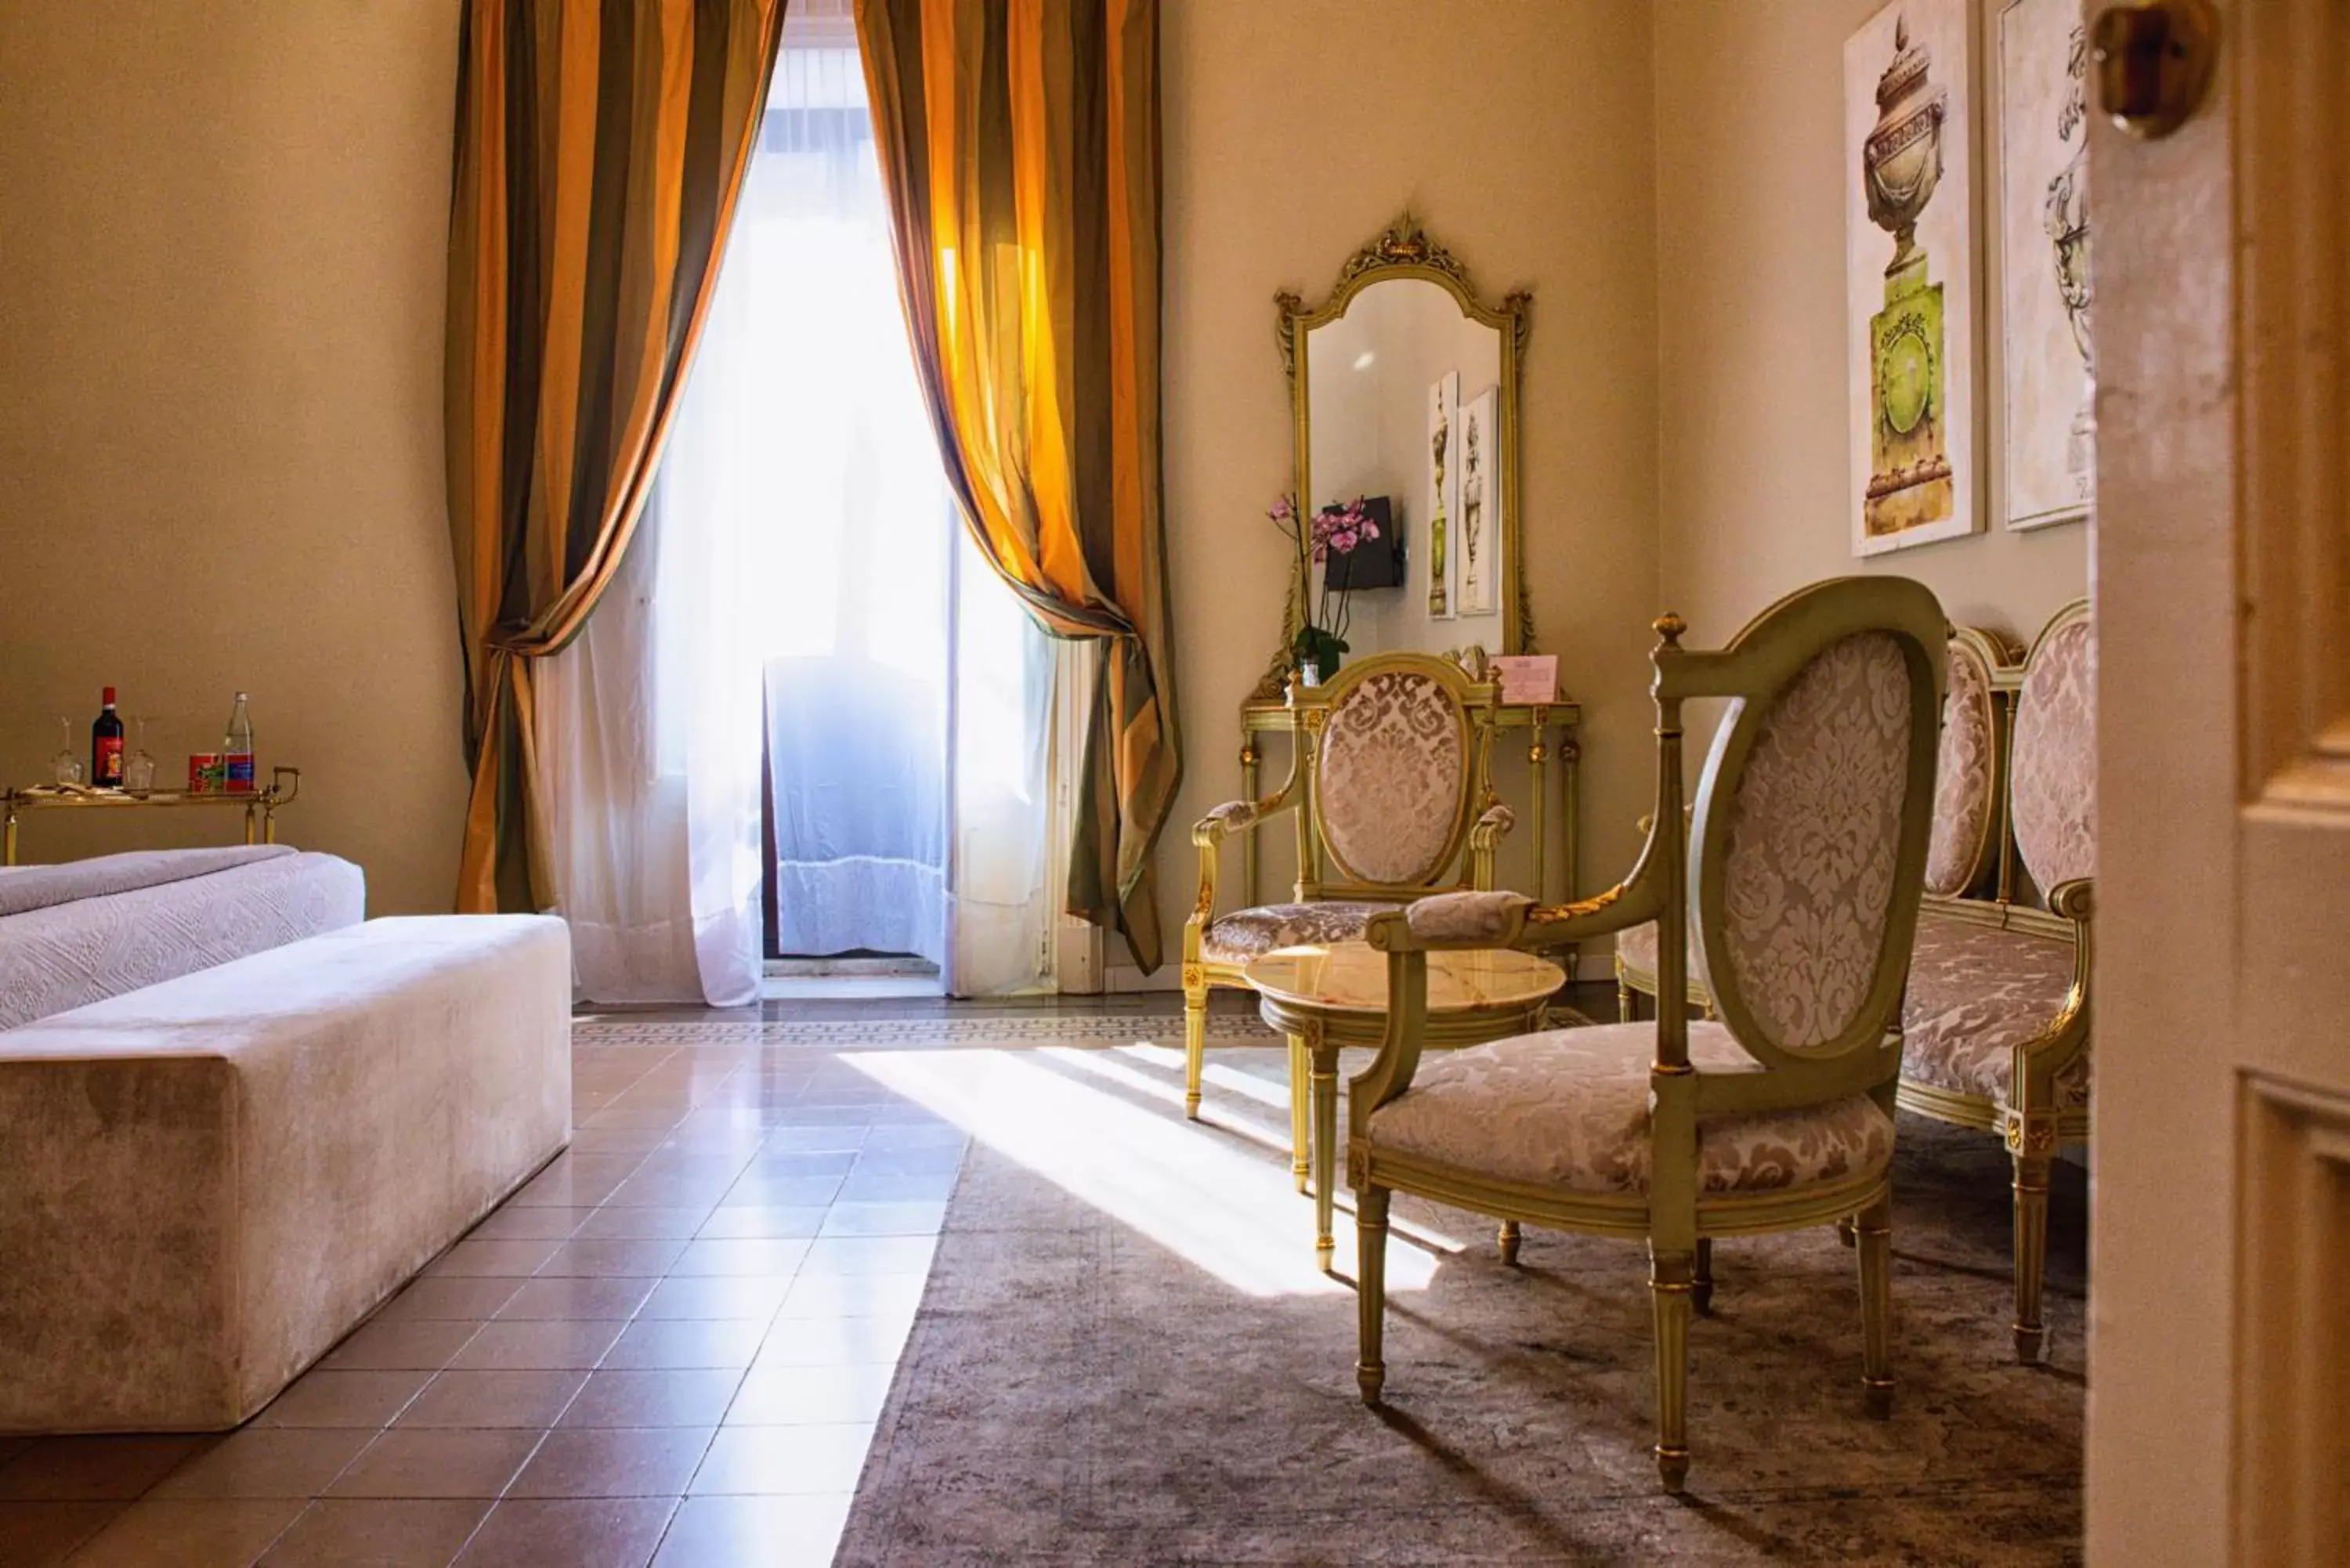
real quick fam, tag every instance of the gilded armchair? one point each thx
(1799, 874)
(1967, 823)
(1388, 789)
(1996, 1016)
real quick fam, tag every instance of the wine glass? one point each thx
(66, 765)
(139, 772)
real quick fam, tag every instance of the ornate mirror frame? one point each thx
(1404, 251)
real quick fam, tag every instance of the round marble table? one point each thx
(1325, 999)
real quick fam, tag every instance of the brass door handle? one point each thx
(2154, 62)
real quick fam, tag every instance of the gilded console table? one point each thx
(1262, 717)
(260, 806)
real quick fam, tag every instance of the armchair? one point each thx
(1388, 789)
(1799, 877)
(1968, 824)
(1996, 1018)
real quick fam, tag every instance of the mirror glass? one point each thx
(1404, 409)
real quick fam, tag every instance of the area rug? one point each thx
(1078, 1390)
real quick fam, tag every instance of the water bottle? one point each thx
(236, 751)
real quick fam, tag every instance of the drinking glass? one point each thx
(66, 765)
(139, 772)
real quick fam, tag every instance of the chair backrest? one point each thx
(2052, 774)
(1396, 771)
(1808, 846)
(1967, 777)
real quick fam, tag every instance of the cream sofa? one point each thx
(75, 932)
(211, 1179)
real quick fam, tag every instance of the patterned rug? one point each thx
(1124, 1359)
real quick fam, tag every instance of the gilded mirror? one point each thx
(1405, 391)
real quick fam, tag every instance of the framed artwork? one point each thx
(1909, 276)
(1444, 496)
(2051, 423)
(1480, 505)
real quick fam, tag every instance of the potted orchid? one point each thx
(1336, 529)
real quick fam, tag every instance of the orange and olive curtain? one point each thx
(1019, 141)
(600, 147)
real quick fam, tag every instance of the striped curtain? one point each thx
(1019, 140)
(601, 147)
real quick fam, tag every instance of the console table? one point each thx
(260, 806)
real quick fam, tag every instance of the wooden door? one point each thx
(2219, 1283)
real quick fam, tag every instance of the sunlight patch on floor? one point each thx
(1106, 1065)
(1211, 1076)
(1238, 1216)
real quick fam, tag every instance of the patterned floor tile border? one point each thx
(850, 1034)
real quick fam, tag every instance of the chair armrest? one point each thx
(1237, 815)
(1483, 920)
(1475, 920)
(2065, 1035)
(1457, 921)
(1210, 831)
(1484, 837)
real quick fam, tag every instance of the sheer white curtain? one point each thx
(857, 624)
(802, 541)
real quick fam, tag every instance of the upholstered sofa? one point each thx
(78, 932)
(1995, 1020)
(220, 1161)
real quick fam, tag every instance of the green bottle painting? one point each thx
(1910, 482)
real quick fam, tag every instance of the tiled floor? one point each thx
(669, 1347)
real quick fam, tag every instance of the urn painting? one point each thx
(1479, 454)
(1444, 496)
(2051, 421)
(1910, 249)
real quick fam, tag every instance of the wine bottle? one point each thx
(106, 746)
(236, 751)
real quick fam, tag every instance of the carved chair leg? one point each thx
(1669, 1288)
(1875, 1234)
(1325, 1149)
(1506, 1239)
(1843, 1230)
(2030, 1253)
(1628, 1005)
(1195, 1048)
(1702, 1281)
(1370, 1289)
(1301, 1124)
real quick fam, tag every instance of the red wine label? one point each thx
(238, 768)
(109, 760)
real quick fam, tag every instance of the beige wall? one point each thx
(222, 238)
(1751, 170)
(220, 456)
(1520, 134)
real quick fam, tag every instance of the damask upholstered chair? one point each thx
(1798, 878)
(1388, 790)
(1997, 1016)
(1969, 825)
